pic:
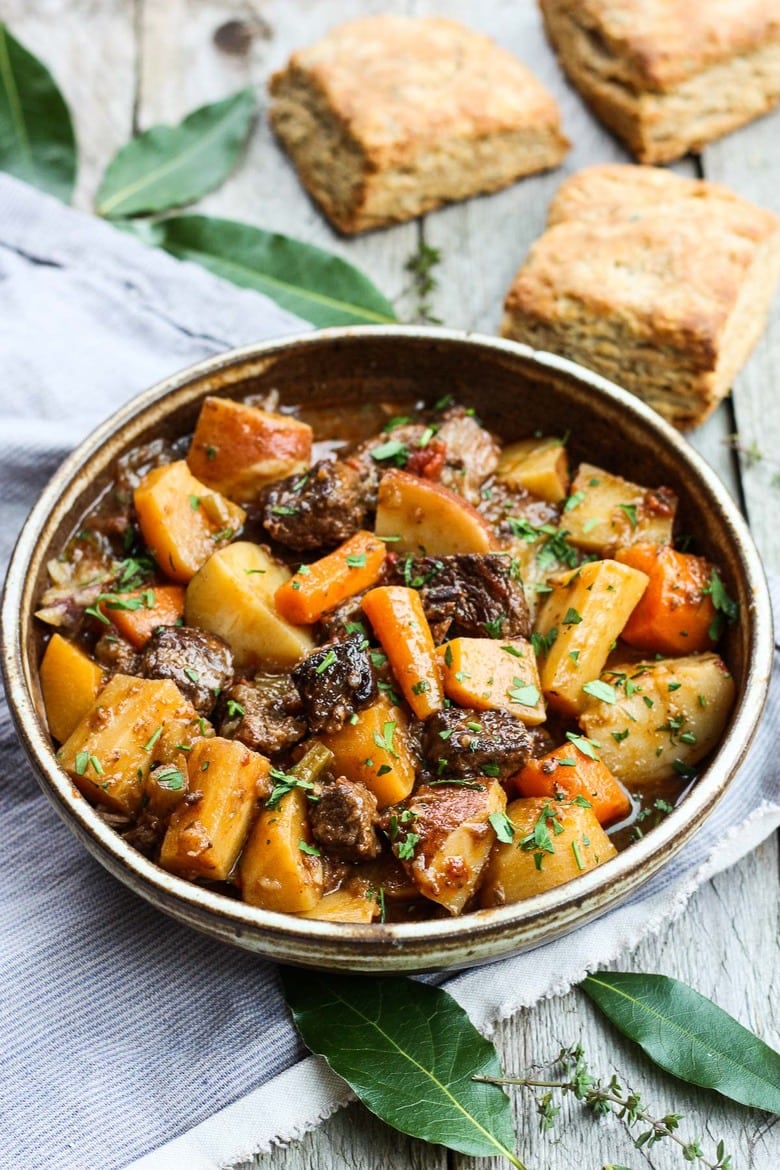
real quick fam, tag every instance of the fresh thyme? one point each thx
(421, 265)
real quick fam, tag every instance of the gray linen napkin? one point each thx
(126, 1037)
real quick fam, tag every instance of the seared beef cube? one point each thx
(463, 744)
(342, 820)
(334, 682)
(266, 714)
(200, 664)
(500, 503)
(469, 595)
(471, 453)
(347, 618)
(320, 507)
(117, 656)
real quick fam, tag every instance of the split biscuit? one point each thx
(388, 117)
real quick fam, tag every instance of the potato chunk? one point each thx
(205, 834)
(428, 518)
(344, 906)
(444, 837)
(552, 843)
(233, 596)
(280, 868)
(108, 754)
(493, 675)
(606, 511)
(539, 465)
(666, 716)
(579, 623)
(375, 750)
(70, 682)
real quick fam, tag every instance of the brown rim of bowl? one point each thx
(482, 935)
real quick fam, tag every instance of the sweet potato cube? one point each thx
(70, 681)
(490, 675)
(605, 511)
(108, 754)
(280, 868)
(540, 466)
(444, 837)
(578, 624)
(553, 842)
(233, 596)
(205, 835)
(375, 750)
(238, 449)
(675, 614)
(182, 520)
(428, 518)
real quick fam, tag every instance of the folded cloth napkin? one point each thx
(129, 1040)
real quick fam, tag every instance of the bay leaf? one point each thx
(37, 142)
(315, 284)
(689, 1036)
(170, 166)
(409, 1052)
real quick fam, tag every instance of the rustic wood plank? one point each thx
(90, 50)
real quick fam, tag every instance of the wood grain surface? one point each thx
(127, 64)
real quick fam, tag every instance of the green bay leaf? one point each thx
(409, 1052)
(170, 166)
(689, 1036)
(37, 142)
(315, 284)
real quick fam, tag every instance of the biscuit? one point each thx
(668, 76)
(388, 117)
(662, 284)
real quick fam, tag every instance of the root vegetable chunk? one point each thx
(428, 518)
(277, 871)
(540, 466)
(676, 613)
(343, 906)
(606, 511)
(70, 682)
(375, 751)
(492, 675)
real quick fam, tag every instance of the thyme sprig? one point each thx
(421, 265)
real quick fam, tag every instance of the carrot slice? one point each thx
(397, 615)
(138, 613)
(324, 584)
(675, 613)
(567, 773)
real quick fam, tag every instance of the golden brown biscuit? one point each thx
(668, 76)
(660, 283)
(389, 116)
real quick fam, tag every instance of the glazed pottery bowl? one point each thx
(515, 391)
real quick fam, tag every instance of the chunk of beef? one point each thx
(464, 744)
(347, 618)
(342, 820)
(321, 507)
(468, 595)
(334, 682)
(200, 664)
(500, 503)
(117, 656)
(266, 714)
(471, 453)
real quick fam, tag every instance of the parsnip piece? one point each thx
(376, 751)
(233, 596)
(182, 520)
(492, 675)
(587, 609)
(606, 512)
(668, 714)
(205, 835)
(444, 838)
(70, 682)
(553, 843)
(540, 465)
(428, 518)
(343, 906)
(276, 871)
(108, 754)
(238, 448)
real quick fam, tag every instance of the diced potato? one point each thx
(70, 681)
(444, 838)
(108, 754)
(375, 750)
(205, 835)
(237, 449)
(182, 520)
(580, 620)
(276, 870)
(428, 518)
(167, 782)
(553, 843)
(233, 596)
(539, 465)
(343, 906)
(667, 715)
(606, 511)
(491, 675)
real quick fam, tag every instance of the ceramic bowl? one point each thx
(515, 391)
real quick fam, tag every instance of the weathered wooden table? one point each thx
(127, 64)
